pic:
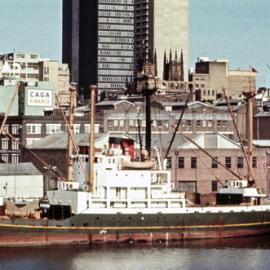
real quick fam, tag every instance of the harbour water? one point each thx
(249, 253)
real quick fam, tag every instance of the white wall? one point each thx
(21, 186)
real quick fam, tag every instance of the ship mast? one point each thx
(149, 89)
(147, 86)
(72, 91)
(92, 103)
(249, 130)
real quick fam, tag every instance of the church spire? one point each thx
(182, 66)
(176, 56)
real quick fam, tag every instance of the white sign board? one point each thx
(38, 97)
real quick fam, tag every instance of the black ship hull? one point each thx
(117, 228)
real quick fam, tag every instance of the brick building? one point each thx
(198, 118)
(192, 170)
(29, 129)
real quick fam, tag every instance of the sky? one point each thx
(237, 30)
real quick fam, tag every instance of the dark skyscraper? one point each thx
(98, 42)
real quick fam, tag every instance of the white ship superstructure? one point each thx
(120, 184)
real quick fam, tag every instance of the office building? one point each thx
(98, 43)
(31, 67)
(212, 76)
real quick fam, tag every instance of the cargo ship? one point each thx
(123, 200)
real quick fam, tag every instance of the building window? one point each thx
(214, 185)
(115, 123)
(77, 128)
(15, 129)
(159, 124)
(189, 123)
(240, 162)
(15, 158)
(132, 123)
(143, 123)
(33, 128)
(52, 128)
(187, 186)
(228, 162)
(193, 164)
(30, 141)
(198, 123)
(87, 128)
(110, 124)
(4, 158)
(181, 162)
(169, 162)
(254, 162)
(6, 128)
(4, 144)
(121, 123)
(15, 144)
(214, 163)
(46, 70)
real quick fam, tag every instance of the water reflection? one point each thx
(242, 253)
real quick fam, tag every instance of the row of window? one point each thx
(191, 186)
(115, 53)
(14, 158)
(115, 14)
(134, 123)
(204, 123)
(214, 165)
(15, 128)
(111, 46)
(130, 2)
(112, 79)
(117, 7)
(125, 73)
(115, 59)
(107, 85)
(115, 33)
(115, 66)
(120, 26)
(165, 123)
(119, 21)
(52, 128)
(208, 93)
(5, 144)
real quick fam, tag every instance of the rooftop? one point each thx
(18, 169)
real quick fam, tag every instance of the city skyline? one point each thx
(227, 29)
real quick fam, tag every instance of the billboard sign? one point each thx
(39, 97)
